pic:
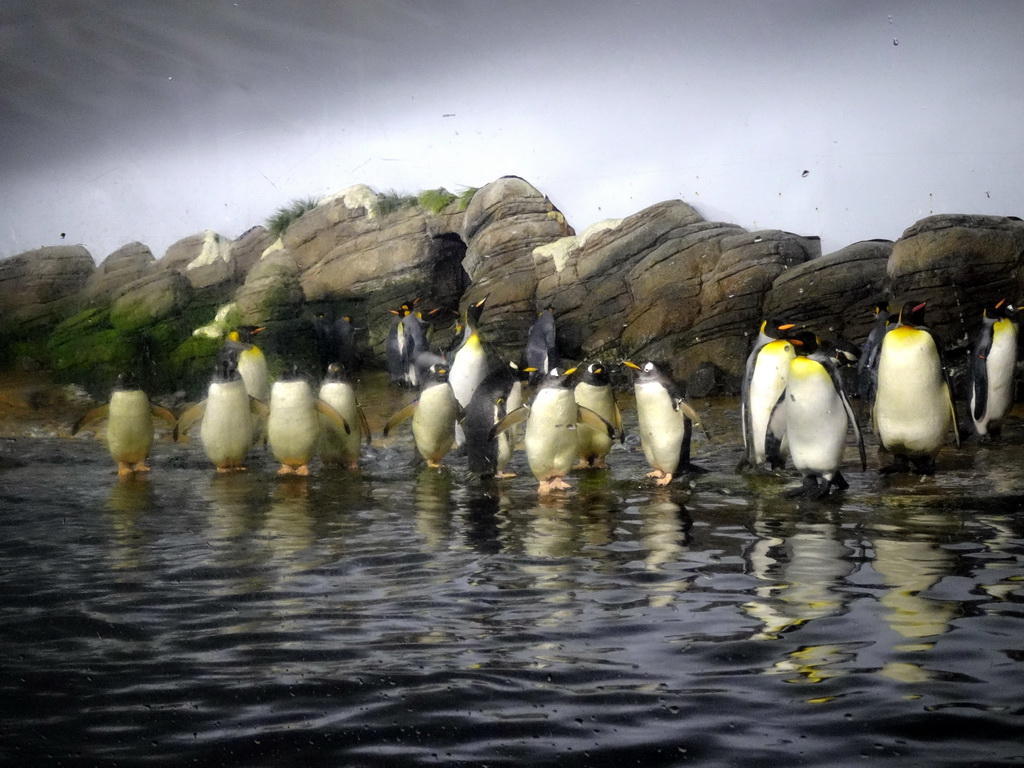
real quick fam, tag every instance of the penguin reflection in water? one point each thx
(665, 421)
(434, 415)
(129, 416)
(227, 414)
(551, 419)
(293, 427)
(993, 360)
(814, 414)
(914, 407)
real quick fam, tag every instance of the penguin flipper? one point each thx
(776, 433)
(333, 417)
(593, 419)
(162, 413)
(952, 412)
(617, 421)
(188, 418)
(364, 425)
(518, 416)
(856, 430)
(258, 407)
(94, 415)
(688, 412)
(400, 416)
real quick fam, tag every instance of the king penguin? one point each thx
(764, 379)
(293, 427)
(665, 422)
(339, 447)
(434, 415)
(815, 415)
(551, 425)
(541, 347)
(498, 394)
(595, 392)
(396, 348)
(227, 428)
(468, 366)
(914, 406)
(993, 360)
(867, 367)
(129, 416)
(252, 365)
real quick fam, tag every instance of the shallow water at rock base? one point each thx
(406, 616)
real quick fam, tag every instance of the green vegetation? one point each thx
(465, 196)
(285, 215)
(436, 200)
(391, 201)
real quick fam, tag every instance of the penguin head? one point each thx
(292, 373)
(596, 374)
(999, 310)
(126, 382)
(226, 366)
(649, 371)
(912, 313)
(776, 328)
(840, 351)
(520, 371)
(436, 374)
(474, 311)
(804, 342)
(336, 372)
(556, 377)
(246, 333)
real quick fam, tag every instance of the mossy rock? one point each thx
(149, 300)
(191, 364)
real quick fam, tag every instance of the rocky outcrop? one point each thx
(246, 251)
(271, 290)
(41, 287)
(204, 259)
(128, 263)
(150, 299)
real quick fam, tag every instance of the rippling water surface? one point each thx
(405, 616)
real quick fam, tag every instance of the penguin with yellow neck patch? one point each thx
(815, 415)
(764, 379)
(252, 365)
(914, 408)
(993, 361)
(468, 363)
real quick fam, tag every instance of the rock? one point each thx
(204, 258)
(128, 263)
(148, 300)
(247, 249)
(271, 290)
(40, 288)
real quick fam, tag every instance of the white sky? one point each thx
(151, 121)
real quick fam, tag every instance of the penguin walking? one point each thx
(764, 379)
(468, 365)
(551, 426)
(434, 414)
(498, 394)
(665, 422)
(293, 427)
(226, 413)
(815, 415)
(914, 406)
(595, 392)
(129, 416)
(339, 447)
(993, 360)
(541, 349)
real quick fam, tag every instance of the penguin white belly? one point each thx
(816, 422)
(226, 430)
(336, 446)
(601, 400)
(514, 401)
(661, 427)
(912, 412)
(252, 367)
(551, 434)
(771, 370)
(1000, 363)
(467, 370)
(292, 428)
(433, 422)
(129, 426)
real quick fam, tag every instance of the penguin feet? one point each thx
(142, 466)
(552, 484)
(660, 478)
(594, 462)
(812, 487)
(124, 469)
(899, 464)
(505, 475)
(924, 466)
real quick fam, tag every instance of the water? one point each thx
(406, 616)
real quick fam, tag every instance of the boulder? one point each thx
(204, 258)
(128, 263)
(247, 249)
(150, 299)
(271, 290)
(40, 288)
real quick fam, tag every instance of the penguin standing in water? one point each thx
(914, 407)
(993, 360)
(764, 379)
(867, 366)
(541, 350)
(814, 414)
(293, 427)
(396, 351)
(335, 341)
(595, 392)
(551, 425)
(227, 428)
(252, 365)
(434, 415)
(665, 422)
(340, 447)
(499, 393)
(129, 416)
(468, 366)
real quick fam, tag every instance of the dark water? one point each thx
(407, 616)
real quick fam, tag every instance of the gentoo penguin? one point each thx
(434, 415)
(293, 428)
(764, 379)
(498, 394)
(541, 351)
(814, 414)
(595, 392)
(129, 416)
(338, 447)
(665, 422)
(993, 360)
(551, 421)
(468, 365)
(252, 365)
(396, 348)
(335, 341)
(227, 429)
(867, 367)
(913, 407)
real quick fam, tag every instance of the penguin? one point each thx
(339, 447)
(434, 415)
(814, 414)
(395, 354)
(129, 416)
(867, 367)
(595, 392)
(498, 394)
(335, 341)
(416, 349)
(541, 351)
(993, 360)
(665, 422)
(227, 428)
(468, 365)
(293, 428)
(551, 425)
(252, 365)
(764, 379)
(913, 408)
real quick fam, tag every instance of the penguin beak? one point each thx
(569, 372)
(787, 326)
(631, 364)
(920, 306)
(1000, 303)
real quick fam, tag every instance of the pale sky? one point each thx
(152, 120)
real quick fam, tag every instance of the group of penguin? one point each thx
(793, 402)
